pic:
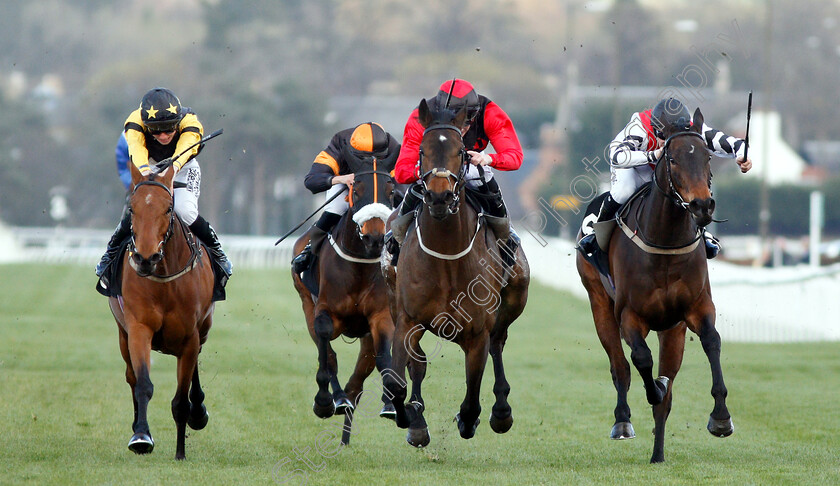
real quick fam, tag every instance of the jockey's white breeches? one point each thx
(624, 182)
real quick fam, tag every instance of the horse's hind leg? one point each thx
(501, 419)
(671, 349)
(198, 412)
(324, 406)
(720, 422)
(476, 350)
(187, 364)
(418, 429)
(139, 349)
(610, 337)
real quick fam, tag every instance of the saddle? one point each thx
(603, 230)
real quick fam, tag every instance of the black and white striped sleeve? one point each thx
(628, 147)
(721, 144)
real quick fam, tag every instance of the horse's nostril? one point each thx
(155, 259)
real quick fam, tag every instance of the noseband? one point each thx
(458, 180)
(672, 194)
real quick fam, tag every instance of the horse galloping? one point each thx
(658, 265)
(451, 281)
(166, 305)
(351, 298)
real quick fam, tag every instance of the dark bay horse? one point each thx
(352, 300)
(658, 263)
(451, 281)
(166, 306)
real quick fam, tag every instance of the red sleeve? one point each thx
(405, 170)
(499, 130)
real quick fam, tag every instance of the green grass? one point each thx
(65, 409)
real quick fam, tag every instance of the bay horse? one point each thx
(451, 281)
(658, 264)
(166, 305)
(352, 300)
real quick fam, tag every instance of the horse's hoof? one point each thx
(622, 430)
(342, 405)
(501, 425)
(324, 411)
(466, 431)
(141, 444)
(418, 438)
(388, 411)
(721, 428)
(200, 421)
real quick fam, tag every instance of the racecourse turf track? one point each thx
(65, 411)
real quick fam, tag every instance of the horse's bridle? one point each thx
(375, 172)
(171, 211)
(193, 260)
(459, 179)
(672, 194)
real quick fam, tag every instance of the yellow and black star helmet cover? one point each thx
(161, 110)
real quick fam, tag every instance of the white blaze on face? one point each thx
(692, 150)
(370, 211)
(442, 138)
(148, 199)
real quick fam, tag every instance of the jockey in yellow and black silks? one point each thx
(156, 131)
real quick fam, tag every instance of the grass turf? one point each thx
(65, 412)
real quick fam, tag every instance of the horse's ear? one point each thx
(424, 115)
(697, 121)
(136, 176)
(167, 176)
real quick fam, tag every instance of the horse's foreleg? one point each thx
(501, 419)
(139, 350)
(394, 381)
(635, 331)
(187, 364)
(382, 332)
(323, 406)
(671, 349)
(130, 378)
(720, 422)
(475, 351)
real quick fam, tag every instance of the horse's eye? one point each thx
(169, 210)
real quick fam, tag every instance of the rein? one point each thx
(192, 262)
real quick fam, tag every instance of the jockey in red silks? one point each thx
(486, 124)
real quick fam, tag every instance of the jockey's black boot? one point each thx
(712, 245)
(608, 209)
(202, 229)
(303, 261)
(493, 204)
(122, 232)
(409, 203)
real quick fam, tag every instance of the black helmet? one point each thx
(161, 110)
(463, 94)
(669, 116)
(370, 138)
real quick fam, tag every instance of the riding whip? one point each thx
(747, 136)
(310, 216)
(168, 161)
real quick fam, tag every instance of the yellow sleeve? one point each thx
(191, 132)
(136, 138)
